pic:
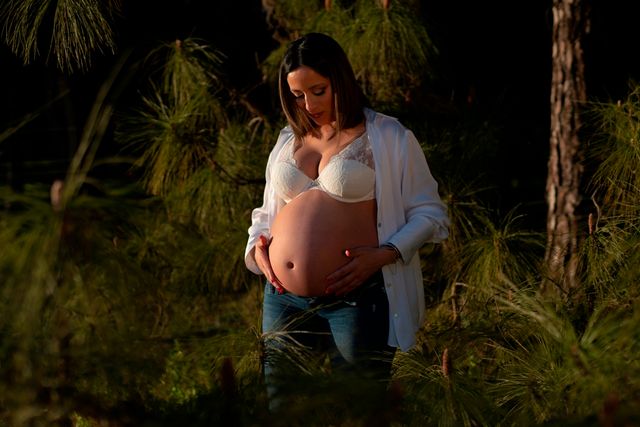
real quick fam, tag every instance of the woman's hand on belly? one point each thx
(261, 255)
(363, 262)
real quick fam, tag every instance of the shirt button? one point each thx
(379, 224)
(395, 315)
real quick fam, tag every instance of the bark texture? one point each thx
(568, 93)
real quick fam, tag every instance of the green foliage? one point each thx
(71, 302)
(296, 18)
(442, 392)
(176, 139)
(127, 306)
(79, 29)
(616, 180)
(549, 370)
(190, 74)
(389, 48)
(29, 240)
(291, 15)
(604, 252)
(203, 165)
(496, 252)
(175, 133)
(608, 253)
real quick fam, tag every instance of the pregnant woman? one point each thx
(349, 200)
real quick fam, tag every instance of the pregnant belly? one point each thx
(310, 235)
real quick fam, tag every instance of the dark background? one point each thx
(494, 55)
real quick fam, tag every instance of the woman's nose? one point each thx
(309, 104)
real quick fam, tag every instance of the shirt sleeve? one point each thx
(261, 217)
(259, 226)
(426, 215)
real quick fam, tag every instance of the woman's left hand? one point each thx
(364, 261)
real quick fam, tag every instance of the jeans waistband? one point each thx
(375, 281)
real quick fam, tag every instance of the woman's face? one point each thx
(313, 93)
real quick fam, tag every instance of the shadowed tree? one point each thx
(568, 92)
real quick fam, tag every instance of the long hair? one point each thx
(325, 56)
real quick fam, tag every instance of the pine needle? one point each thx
(80, 28)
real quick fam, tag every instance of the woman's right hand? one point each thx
(264, 264)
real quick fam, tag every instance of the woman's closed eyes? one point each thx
(319, 93)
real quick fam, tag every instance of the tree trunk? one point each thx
(568, 92)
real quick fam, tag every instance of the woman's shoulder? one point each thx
(383, 120)
(384, 123)
(285, 132)
(285, 135)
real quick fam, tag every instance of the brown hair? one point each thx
(325, 56)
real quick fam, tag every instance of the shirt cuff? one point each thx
(395, 249)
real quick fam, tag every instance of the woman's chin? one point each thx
(321, 120)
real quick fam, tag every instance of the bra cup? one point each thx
(348, 176)
(348, 180)
(289, 181)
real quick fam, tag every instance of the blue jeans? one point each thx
(353, 329)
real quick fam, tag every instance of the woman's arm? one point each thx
(410, 210)
(261, 217)
(425, 214)
(259, 227)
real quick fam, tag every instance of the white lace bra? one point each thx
(349, 176)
